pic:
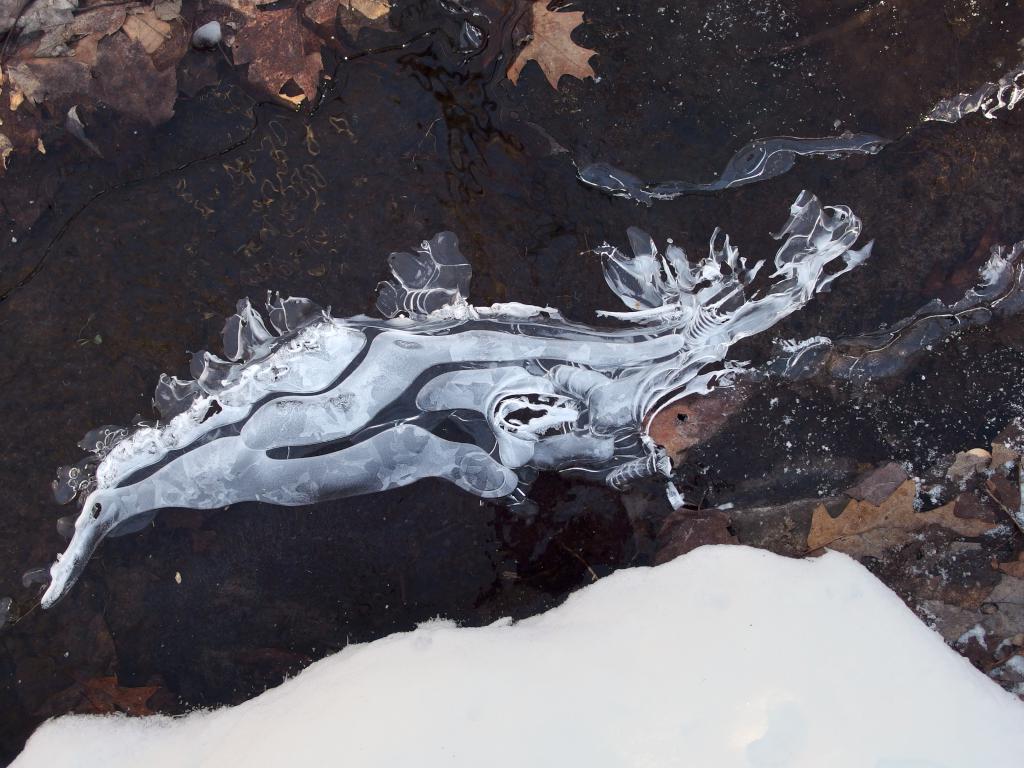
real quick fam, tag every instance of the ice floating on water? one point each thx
(310, 407)
(988, 99)
(759, 160)
(999, 292)
(727, 657)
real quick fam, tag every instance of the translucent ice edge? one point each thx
(998, 293)
(310, 407)
(986, 99)
(760, 160)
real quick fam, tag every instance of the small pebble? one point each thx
(207, 36)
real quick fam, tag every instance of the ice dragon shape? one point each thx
(484, 397)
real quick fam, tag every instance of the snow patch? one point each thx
(728, 656)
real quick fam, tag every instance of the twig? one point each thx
(578, 557)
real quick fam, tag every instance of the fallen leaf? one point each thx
(127, 80)
(865, 528)
(1013, 568)
(371, 9)
(552, 47)
(353, 15)
(166, 10)
(279, 51)
(102, 20)
(106, 696)
(39, 80)
(147, 29)
(42, 15)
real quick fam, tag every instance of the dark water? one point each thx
(138, 258)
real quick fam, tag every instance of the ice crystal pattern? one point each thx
(305, 406)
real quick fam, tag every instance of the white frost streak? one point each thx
(725, 657)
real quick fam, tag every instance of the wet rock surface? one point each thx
(116, 261)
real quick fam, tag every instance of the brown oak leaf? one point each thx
(863, 528)
(552, 47)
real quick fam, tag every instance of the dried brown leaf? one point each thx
(104, 695)
(371, 9)
(353, 15)
(865, 528)
(166, 10)
(147, 29)
(278, 49)
(102, 20)
(1013, 568)
(127, 79)
(552, 47)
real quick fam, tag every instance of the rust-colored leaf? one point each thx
(552, 47)
(105, 696)
(280, 52)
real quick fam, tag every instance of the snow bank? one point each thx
(725, 657)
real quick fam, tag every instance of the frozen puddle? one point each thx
(728, 656)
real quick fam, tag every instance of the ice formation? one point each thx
(987, 99)
(999, 292)
(324, 407)
(759, 160)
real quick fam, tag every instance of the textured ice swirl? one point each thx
(987, 99)
(760, 160)
(485, 397)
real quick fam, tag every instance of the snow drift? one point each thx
(728, 656)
